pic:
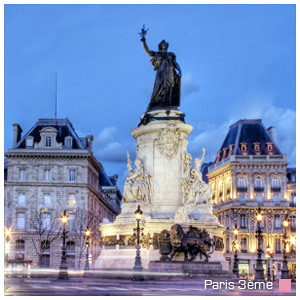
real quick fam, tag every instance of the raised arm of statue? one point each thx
(149, 52)
(203, 153)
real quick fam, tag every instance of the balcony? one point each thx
(275, 189)
(241, 189)
(259, 189)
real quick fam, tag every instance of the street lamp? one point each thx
(269, 256)
(285, 271)
(259, 270)
(63, 268)
(87, 234)
(138, 263)
(236, 247)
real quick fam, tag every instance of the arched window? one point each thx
(70, 251)
(275, 184)
(45, 255)
(221, 193)
(228, 188)
(241, 184)
(258, 184)
(20, 250)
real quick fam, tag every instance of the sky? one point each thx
(237, 62)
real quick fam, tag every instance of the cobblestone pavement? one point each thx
(111, 287)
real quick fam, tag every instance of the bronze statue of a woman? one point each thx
(166, 90)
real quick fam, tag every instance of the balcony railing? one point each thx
(259, 189)
(275, 189)
(241, 189)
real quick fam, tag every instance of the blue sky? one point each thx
(237, 61)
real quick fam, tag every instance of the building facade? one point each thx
(50, 170)
(250, 172)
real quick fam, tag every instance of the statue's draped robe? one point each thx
(166, 90)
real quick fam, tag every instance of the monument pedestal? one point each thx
(168, 190)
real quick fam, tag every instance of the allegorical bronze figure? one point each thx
(166, 90)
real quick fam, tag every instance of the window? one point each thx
(227, 221)
(258, 198)
(277, 246)
(29, 142)
(277, 222)
(275, 182)
(258, 182)
(71, 200)
(45, 258)
(243, 221)
(227, 245)
(293, 223)
(21, 200)
(46, 220)
(244, 245)
(71, 222)
(241, 182)
(20, 221)
(22, 174)
(47, 175)
(68, 142)
(47, 201)
(48, 141)
(70, 251)
(20, 250)
(293, 199)
(71, 175)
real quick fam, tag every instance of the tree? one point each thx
(46, 229)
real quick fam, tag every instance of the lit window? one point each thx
(71, 200)
(20, 221)
(21, 200)
(47, 200)
(22, 174)
(20, 250)
(244, 245)
(71, 175)
(48, 141)
(47, 175)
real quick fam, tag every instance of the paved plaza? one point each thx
(81, 286)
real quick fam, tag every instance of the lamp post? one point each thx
(63, 268)
(87, 234)
(269, 256)
(235, 247)
(285, 274)
(259, 270)
(138, 263)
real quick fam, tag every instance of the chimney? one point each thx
(17, 133)
(271, 132)
(90, 139)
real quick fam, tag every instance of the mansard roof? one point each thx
(247, 132)
(64, 128)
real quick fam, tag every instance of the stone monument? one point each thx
(168, 188)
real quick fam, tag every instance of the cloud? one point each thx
(108, 148)
(212, 135)
(189, 84)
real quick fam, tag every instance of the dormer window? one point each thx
(256, 148)
(270, 147)
(68, 142)
(29, 142)
(230, 150)
(244, 148)
(48, 141)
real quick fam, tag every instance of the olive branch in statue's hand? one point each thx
(143, 32)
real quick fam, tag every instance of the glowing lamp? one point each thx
(285, 223)
(87, 232)
(138, 213)
(64, 218)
